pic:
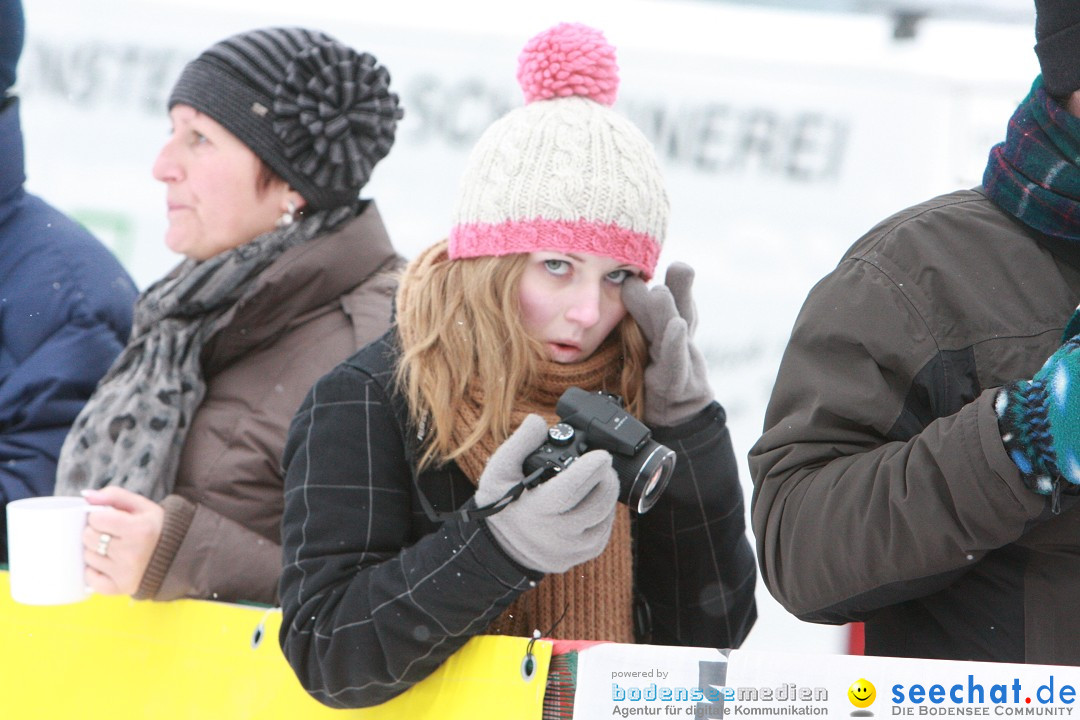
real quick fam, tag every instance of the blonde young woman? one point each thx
(391, 561)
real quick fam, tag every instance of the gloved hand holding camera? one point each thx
(676, 380)
(1039, 418)
(560, 523)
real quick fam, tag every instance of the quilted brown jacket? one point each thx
(313, 307)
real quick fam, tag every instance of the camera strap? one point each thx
(469, 512)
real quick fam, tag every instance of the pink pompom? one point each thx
(569, 59)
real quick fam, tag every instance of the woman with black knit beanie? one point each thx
(274, 133)
(408, 527)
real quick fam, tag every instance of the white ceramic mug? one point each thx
(45, 549)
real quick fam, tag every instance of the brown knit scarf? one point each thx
(592, 601)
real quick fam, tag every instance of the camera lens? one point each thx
(654, 481)
(644, 476)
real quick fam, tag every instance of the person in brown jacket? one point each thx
(915, 470)
(274, 133)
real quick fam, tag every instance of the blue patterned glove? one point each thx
(1039, 419)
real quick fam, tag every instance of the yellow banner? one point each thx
(115, 658)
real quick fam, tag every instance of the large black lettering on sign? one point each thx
(97, 74)
(716, 137)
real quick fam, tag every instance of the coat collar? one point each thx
(12, 169)
(304, 279)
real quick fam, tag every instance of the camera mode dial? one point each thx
(561, 433)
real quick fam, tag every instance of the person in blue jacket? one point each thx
(65, 307)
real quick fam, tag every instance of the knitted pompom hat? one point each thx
(565, 172)
(316, 111)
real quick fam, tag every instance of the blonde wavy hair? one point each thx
(460, 327)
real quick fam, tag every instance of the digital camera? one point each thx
(598, 421)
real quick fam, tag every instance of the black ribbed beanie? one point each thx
(317, 112)
(1057, 43)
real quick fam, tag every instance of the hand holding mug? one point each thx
(119, 542)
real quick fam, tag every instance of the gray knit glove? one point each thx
(676, 380)
(560, 523)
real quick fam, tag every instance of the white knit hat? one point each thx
(565, 172)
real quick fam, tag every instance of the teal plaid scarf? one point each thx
(1035, 174)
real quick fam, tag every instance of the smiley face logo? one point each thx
(862, 693)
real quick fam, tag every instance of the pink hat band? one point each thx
(581, 236)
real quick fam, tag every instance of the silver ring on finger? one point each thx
(103, 544)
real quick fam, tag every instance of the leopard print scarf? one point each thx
(132, 429)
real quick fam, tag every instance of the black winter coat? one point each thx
(375, 596)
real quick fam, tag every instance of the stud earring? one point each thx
(288, 216)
